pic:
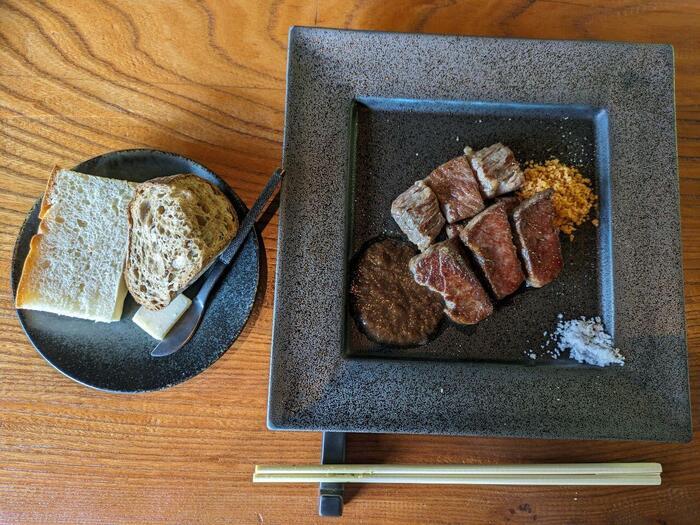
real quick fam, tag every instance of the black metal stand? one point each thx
(330, 501)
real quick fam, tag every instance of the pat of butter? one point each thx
(158, 324)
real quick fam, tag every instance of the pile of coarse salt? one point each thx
(586, 341)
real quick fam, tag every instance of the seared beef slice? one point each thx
(456, 189)
(496, 169)
(538, 239)
(417, 213)
(489, 238)
(510, 202)
(444, 269)
(452, 230)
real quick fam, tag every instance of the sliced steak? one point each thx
(496, 168)
(538, 239)
(489, 238)
(457, 189)
(510, 201)
(444, 269)
(417, 213)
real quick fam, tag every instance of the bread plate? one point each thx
(115, 356)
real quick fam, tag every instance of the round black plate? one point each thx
(116, 356)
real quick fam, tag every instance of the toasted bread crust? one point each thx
(22, 299)
(45, 200)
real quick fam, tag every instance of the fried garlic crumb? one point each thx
(573, 195)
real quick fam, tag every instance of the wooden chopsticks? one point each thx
(546, 474)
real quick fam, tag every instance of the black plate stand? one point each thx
(330, 501)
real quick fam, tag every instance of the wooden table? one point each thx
(205, 78)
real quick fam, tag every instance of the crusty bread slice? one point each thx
(179, 224)
(76, 260)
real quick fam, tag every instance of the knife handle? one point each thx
(268, 193)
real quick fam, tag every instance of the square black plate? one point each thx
(399, 141)
(369, 113)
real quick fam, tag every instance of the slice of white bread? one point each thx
(179, 224)
(76, 260)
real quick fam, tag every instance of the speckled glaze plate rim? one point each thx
(313, 386)
(252, 237)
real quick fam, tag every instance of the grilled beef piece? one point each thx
(444, 269)
(489, 238)
(452, 230)
(496, 168)
(457, 189)
(510, 201)
(538, 239)
(417, 213)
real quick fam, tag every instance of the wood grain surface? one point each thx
(205, 78)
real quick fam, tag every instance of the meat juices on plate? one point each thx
(496, 169)
(538, 239)
(417, 213)
(489, 238)
(444, 269)
(456, 189)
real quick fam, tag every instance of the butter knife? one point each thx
(187, 325)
